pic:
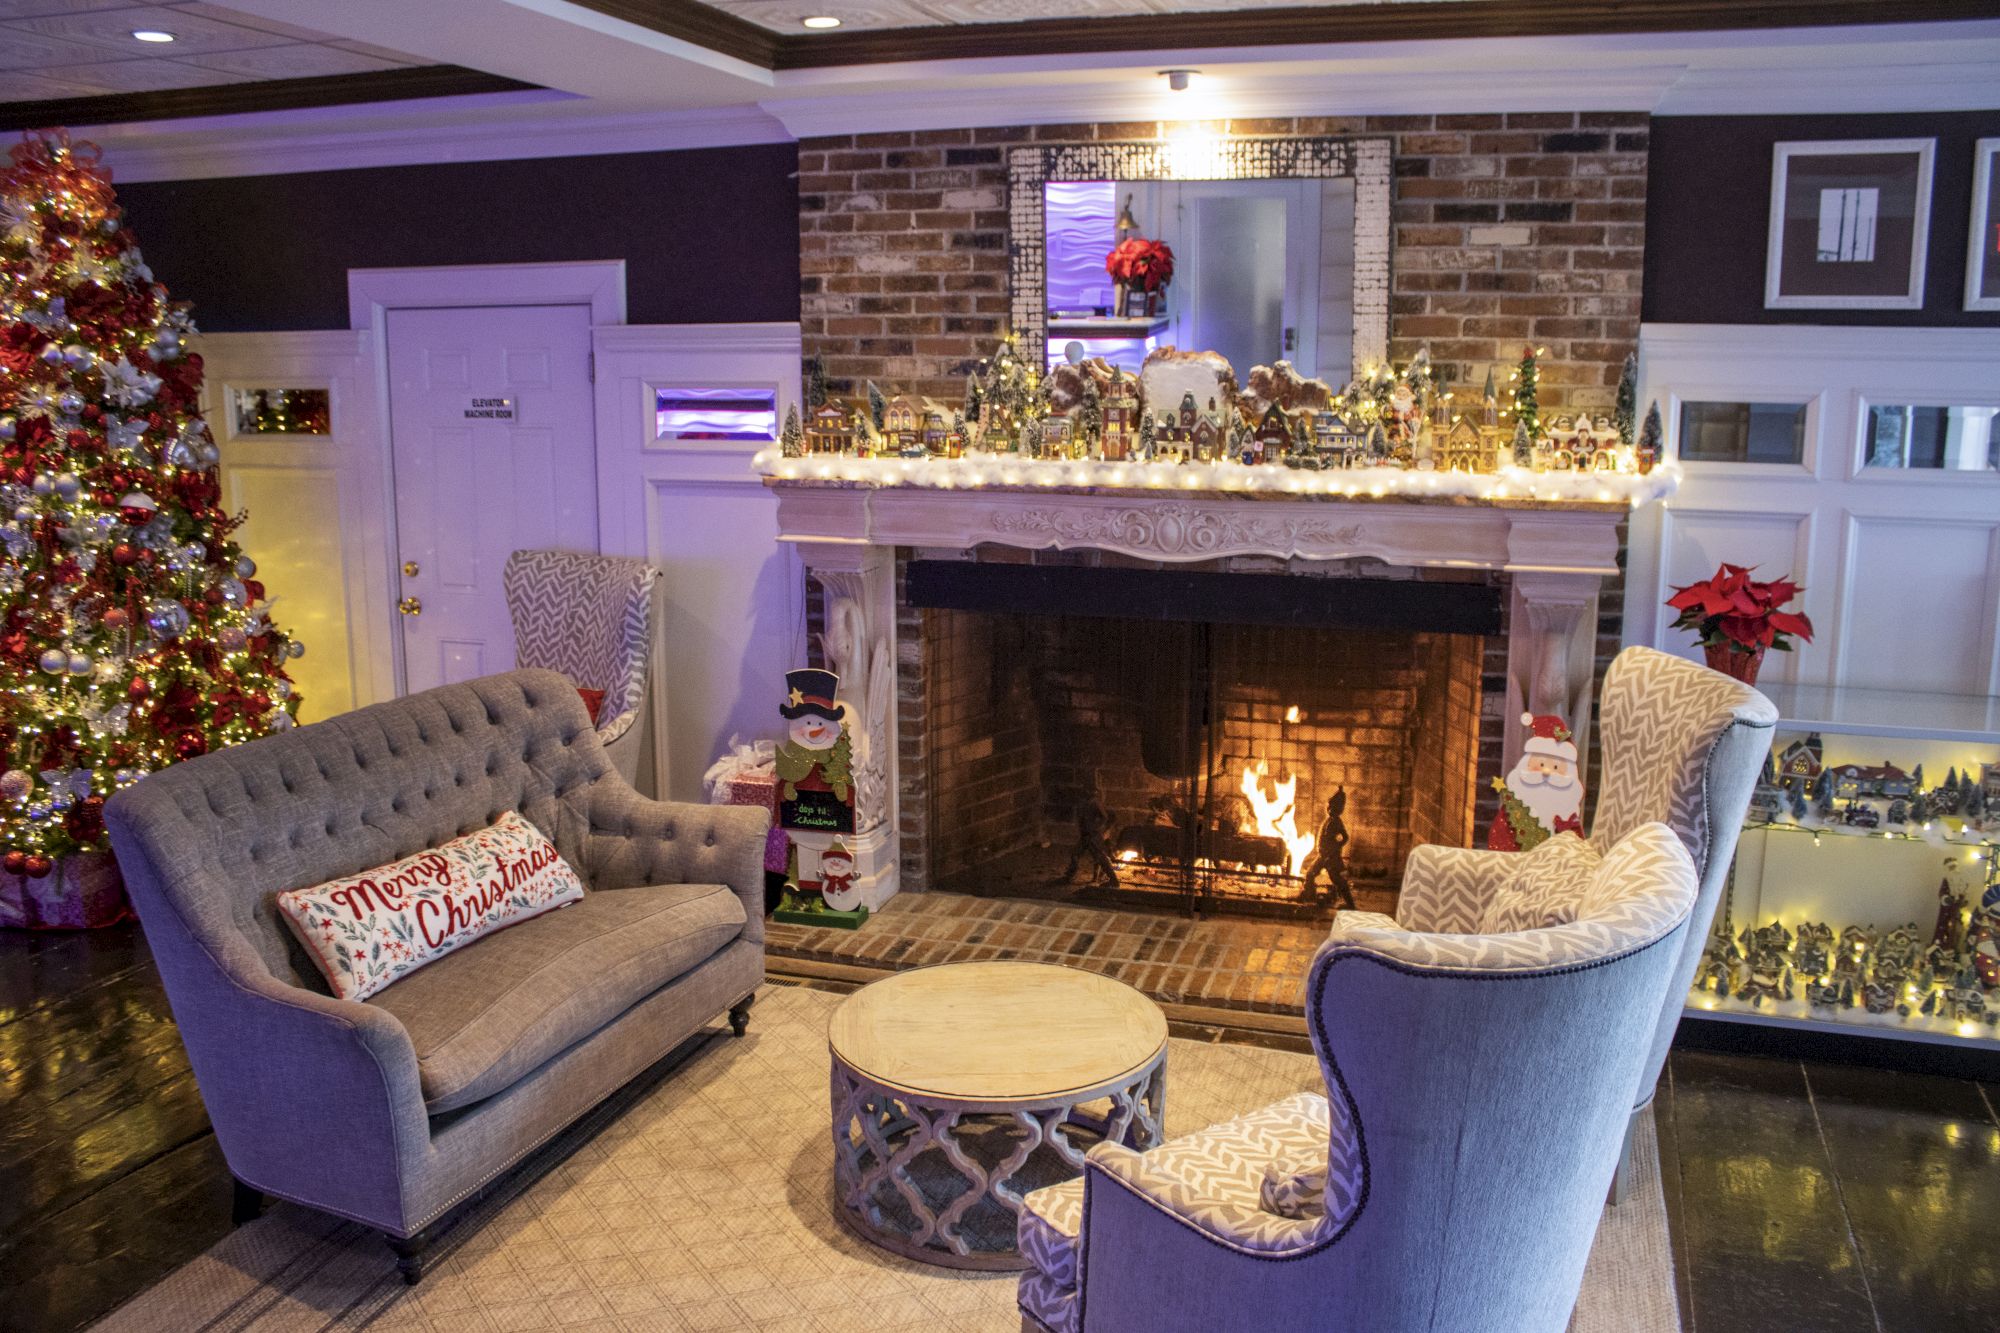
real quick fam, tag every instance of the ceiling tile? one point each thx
(1015, 11)
(27, 9)
(300, 60)
(20, 49)
(382, 53)
(784, 15)
(111, 31)
(19, 85)
(256, 22)
(137, 76)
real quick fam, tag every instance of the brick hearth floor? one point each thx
(1253, 969)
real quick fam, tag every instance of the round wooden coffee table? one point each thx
(959, 1088)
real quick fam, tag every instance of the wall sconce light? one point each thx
(1179, 79)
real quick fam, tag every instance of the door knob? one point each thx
(410, 569)
(410, 606)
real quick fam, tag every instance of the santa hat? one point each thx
(1548, 734)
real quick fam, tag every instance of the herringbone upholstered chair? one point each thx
(591, 618)
(1451, 1177)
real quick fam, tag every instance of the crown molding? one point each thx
(234, 99)
(197, 150)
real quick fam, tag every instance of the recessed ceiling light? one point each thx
(152, 35)
(821, 21)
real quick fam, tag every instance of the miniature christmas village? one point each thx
(1944, 980)
(1185, 421)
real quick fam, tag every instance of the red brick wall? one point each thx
(1509, 229)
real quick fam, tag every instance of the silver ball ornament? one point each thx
(245, 567)
(166, 619)
(281, 689)
(67, 485)
(231, 637)
(55, 661)
(278, 720)
(43, 485)
(295, 649)
(80, 664)
(76, 354)
(7, 428)
(15, 785)
(234, 593)
(69, 402)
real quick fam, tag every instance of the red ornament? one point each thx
(124, 555)
(137, 508)
(212, 594)
(190, 744)
(138, 689)
(14, 863)
(148, 556)
(37, 866)
(117, 617)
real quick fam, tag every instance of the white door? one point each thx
(1252, 289)
(492, 432)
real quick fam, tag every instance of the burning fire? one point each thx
(1277, 815)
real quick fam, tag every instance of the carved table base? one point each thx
(942, 1181)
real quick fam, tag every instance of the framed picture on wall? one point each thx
(1850, 220)
(1982, 252)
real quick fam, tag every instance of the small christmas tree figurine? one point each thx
(1527, 379)
(1625, 415)
(815, 382)
(1647, 451)
(133, 632)
(791, 440)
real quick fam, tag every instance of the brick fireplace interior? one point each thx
(1210, 720)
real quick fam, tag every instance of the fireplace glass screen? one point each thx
(1193, 765)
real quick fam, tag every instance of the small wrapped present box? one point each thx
(758, 787)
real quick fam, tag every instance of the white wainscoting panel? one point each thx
(317, 524)
(734, 616)
(1901, 567)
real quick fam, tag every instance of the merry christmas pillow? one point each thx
(1544, 887)
(370, 929)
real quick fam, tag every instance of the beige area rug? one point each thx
(704, 1206)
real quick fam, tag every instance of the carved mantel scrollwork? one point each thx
(1182, 531)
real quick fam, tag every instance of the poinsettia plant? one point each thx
(1141, 264)
(1731, 609)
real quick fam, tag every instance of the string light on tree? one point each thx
(133, 630)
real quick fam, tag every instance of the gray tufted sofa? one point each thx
(393, 1110)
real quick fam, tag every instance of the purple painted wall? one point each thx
(1708, 202)
(708, 235)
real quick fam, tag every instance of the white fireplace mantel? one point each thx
(1555, 553)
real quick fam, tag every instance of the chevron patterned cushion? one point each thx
(1546, 887)
(1218, 1178)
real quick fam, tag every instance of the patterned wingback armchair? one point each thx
(1682, 745)
(591, 618)
(1451, 1177)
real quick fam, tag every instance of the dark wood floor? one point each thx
(1802, 1196)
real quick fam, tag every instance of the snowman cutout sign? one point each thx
(815, 770)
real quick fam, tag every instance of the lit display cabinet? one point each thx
(1865, 896)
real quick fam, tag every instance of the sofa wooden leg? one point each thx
(1621, 1179)
(245, 1204)
(739, 1015)
(410, 1255)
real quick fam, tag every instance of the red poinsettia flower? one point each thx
(1138, 262)
(1730, 607)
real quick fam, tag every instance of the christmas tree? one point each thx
(1626, 414)
(133, 632)
(1527, 379)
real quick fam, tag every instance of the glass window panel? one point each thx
(1946, 439)
(716, 414)
(1743, 432)
(267, 411)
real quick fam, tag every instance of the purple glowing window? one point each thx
(715, 414)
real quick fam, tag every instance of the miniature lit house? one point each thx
(829, 430)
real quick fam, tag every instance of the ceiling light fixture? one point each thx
(151, 35)
(1179, 79)
(820, 21)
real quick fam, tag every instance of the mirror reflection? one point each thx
(1951, 439)
(1258, 270)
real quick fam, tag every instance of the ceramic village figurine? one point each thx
(1542, 795)
(1768, 949)
(1814, 949)
(814, 765)
(1720, 959)
(1950, 915)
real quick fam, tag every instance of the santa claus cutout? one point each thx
(1542, 795)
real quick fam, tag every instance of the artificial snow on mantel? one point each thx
(977, 471)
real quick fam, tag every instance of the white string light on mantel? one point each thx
(980, 470)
